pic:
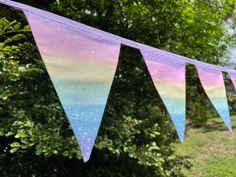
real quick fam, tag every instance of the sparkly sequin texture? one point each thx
(168, 76)
(213, 84)
(81, 67)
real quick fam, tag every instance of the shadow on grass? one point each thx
(215, 125)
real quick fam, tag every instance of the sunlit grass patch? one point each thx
(211, 150)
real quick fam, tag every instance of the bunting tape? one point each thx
(109, 36)
(82, 60)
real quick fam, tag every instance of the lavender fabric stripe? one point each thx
(110, 36)
(213, 84)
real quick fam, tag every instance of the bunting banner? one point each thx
(168, 76)
(82, 60)
(81, 67)
(213, 84)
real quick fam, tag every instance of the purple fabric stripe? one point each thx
(110, 36)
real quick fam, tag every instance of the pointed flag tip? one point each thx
(230, 129)
(229, 125)
(181, 139)
(86, 156)
(85, 159)
(181, 136)
(86, 149)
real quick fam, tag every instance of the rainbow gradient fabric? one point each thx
(213, 84)
(82, 68)
(169, 79)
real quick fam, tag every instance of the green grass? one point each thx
(211, 150)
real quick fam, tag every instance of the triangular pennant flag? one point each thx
(233, 79)
(213, 83)
(81, 67)
(168, 76)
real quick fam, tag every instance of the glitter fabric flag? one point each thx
(81, 67)
(168, 76)
(233, 79)
(213, 84)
